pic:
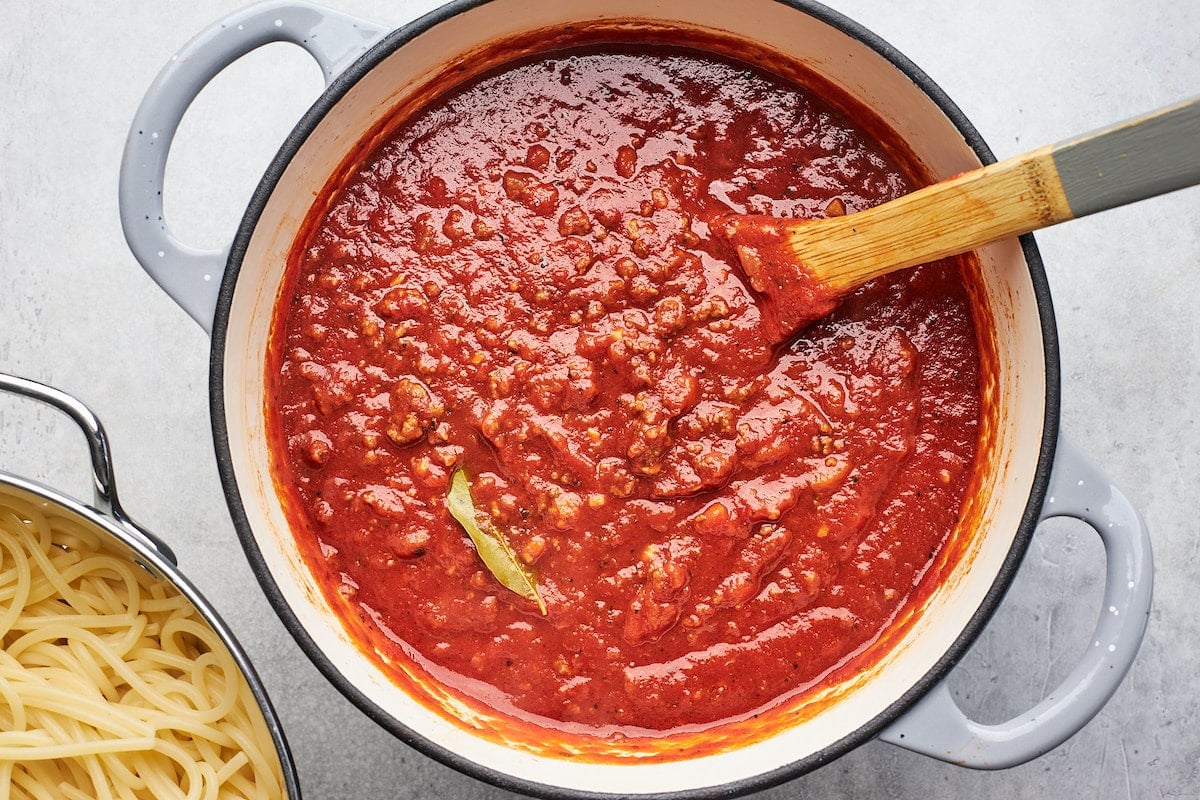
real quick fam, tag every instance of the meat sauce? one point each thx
(523, 281)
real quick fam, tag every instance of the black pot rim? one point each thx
(1004, 577)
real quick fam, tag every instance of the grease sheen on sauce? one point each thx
(521, 281)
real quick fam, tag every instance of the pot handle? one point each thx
(937, 727)
(104, 486)
(190, 276)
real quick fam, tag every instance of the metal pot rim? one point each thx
(151, 554)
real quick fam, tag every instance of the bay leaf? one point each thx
(490, 542)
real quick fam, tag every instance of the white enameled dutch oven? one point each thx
(1030, 474)
(122, 537)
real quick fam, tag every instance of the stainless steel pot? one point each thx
(126, 539)
(1031, 473)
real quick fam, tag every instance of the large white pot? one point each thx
(1030, 472)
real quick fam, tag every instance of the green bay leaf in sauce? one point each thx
(490, 542)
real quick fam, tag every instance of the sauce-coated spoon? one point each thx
(805, 267)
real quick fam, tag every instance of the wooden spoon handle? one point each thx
(1131, 161)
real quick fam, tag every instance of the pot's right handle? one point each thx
(189, 275)
(937, 727)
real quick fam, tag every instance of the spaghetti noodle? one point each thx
(111, 685)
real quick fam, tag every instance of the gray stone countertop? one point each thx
(77, 312)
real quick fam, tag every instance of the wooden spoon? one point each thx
(805, 267)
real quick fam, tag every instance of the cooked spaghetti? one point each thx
(111, 684)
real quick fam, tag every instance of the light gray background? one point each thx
(76, 311)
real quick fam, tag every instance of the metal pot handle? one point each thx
(104, 485)
(937, 727)
(190, 276)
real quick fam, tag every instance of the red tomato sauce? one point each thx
(523, 280)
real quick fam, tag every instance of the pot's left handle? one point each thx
(192, 276)
(104, 486)
(937, 727)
